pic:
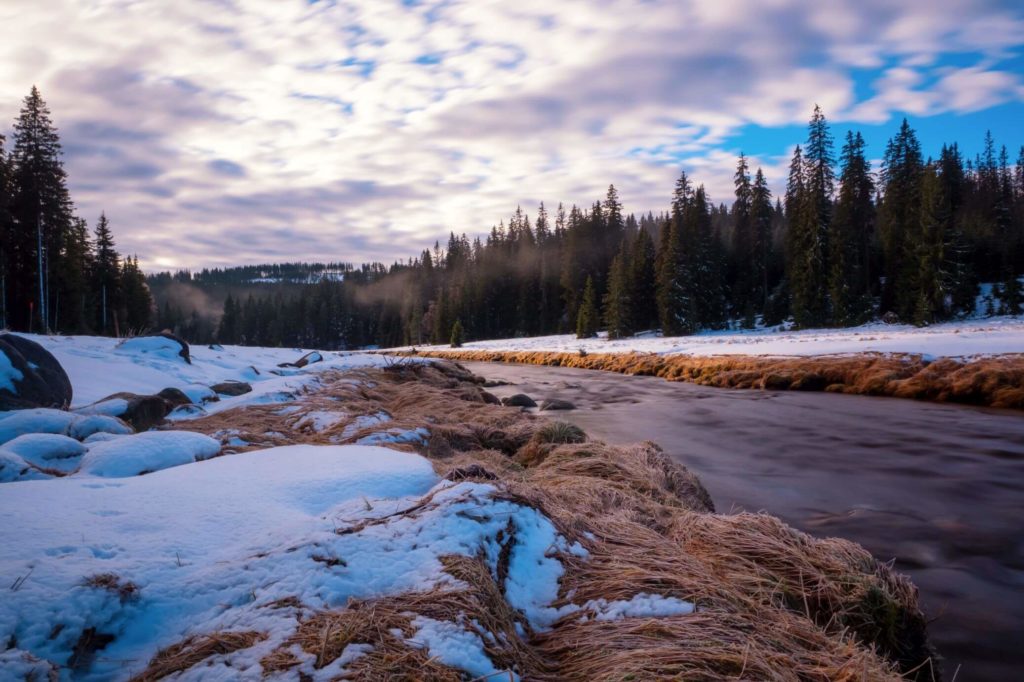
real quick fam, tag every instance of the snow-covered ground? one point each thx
(99, 366)
(968, 338)
(212, 545)
(146, 539)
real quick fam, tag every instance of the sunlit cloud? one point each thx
(216, 133)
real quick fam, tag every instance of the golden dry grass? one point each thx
(992, 382)
(196, 649)
(772, 603)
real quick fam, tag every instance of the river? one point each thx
(939, 489)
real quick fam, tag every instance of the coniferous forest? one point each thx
(55, 273)
(909, 241)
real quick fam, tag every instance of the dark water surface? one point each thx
(937, 488)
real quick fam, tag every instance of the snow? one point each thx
(417, 436)
(48, 450)
(100, 366)
(961, 339)
(453, 645)
(210, 544)
(47, 420)
(643, 605)
(364, 421)
(147, 452)
(319, 420)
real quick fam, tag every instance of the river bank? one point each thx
(936, 488)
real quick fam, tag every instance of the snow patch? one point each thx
(147, 452)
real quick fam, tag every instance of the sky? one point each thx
(228, 132)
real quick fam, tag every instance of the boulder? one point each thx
(143, 412)
(518, 400)
(232, 388)
(175, 396)
(163, 345)
(556, 404)
(490, 398)
(30, 376)
(307, 359)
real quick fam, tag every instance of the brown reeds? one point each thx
(196, 649)
(991, 382)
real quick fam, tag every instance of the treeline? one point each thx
(54, 275)
(909, 241)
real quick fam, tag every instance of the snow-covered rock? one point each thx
(147, 452)
(48, 450)
(166, 346)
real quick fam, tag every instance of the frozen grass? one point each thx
(996, 381)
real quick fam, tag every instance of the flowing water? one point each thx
(939, 489)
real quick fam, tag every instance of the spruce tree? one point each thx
(7, 235)
(617, 301)
(456, 337)
(809, 228)
(106, 276)
(644, 282)
(761, 216)
(586, 319)
(676, 306)
(745, 278)
(42, 212)
(850, 237)
(899, 220)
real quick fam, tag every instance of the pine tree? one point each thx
(617, 302)
(456, 337)
(809, 228)
(106, 276)
(850, 237)
(586, 320)
(138, 303)
(745, 278)
(7, 235)
(761, 215)
(644, 282)
(676, 306)
(41, 209)
(899, 220)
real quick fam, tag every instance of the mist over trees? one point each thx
(55, 275)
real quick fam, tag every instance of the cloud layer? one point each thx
(235, 131)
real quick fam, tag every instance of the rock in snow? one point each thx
(30, 376)
(556, 404)
(164, 345)
(232, 388)
(519, 400)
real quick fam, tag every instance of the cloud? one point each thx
(235, 131)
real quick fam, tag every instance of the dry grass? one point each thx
(773, 603)
(991, 382)
(194, 650)
(126, 590)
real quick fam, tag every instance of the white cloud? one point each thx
(252, 130)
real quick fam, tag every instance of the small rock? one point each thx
(175, 396)
(307, 359)
(519, 400)
(490, 398)
(232, 388)
(556, 404)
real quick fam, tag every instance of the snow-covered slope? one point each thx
(993, 336)
(99, 366)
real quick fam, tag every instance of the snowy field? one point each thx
(969, 338)
(119, 544)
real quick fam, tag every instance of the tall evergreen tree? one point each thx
(618, 304)
(745, 278)
(644, 282)
(42, 211)
(586, 320)
(761, 216)
(850, 237)
(106, 276)
(899, 221)
(809, 228)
